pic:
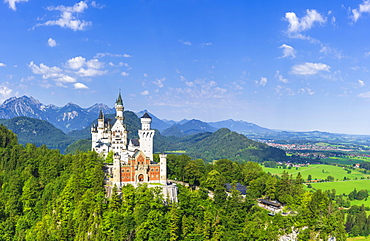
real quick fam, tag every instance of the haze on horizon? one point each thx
(284, 65)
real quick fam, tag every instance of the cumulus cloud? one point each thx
(125, 74)
(80, 86)
(306, 91)
(280, 78)
(309, 68)
(262, 81)
(5, 92)
(159, 82)
(361, 83)
(362, 8)
(52, 42)
(185, 42)
(76, 62)
(2, 65)
(288, 51)
(94, 66)
(13, 2)
(68, 17)
(298, 25)
(145, 92)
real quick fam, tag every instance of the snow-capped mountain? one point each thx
(67, 118)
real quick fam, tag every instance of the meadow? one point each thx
(319, 171)
(345, 187)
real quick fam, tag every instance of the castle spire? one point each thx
(119, 99)
(101, 115)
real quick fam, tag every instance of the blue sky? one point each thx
(292, 65)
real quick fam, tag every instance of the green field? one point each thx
(358, 238)
(319, 171)
(344, 187)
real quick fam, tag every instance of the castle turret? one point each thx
(163, 168)
(101, 122)
(119, 108)
(146, 136)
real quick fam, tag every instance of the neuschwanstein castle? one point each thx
(133, 159)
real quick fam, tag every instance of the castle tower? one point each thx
(119, 108)
(163, 169)
(101, 123)
(146, 136)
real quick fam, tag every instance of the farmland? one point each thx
(320, 172)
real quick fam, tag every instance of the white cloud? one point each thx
(364, 95)
(306, 91)
(263, 81)
(282, 90)
(68, 17)
(93, 66)
(80, 86)
(97, 5)
(145, 75)
(54, 73)
(44, 69)
(280, 78)
(90, 72)
(5, 92)
(288, 51)
(125, 74)
(309, 68)
(361, 83)
(145, 92)
(52, 42)
(101, 55)
(76, 62)
(159, 82)
(205, 44)
(13, 2)
(2, 65)
(185, 42)
(362, 8)
(298, 25)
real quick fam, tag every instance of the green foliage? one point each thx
(83, 145)
(48, 196)
(38, 132)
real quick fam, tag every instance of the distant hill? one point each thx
(156, 122)
(242, 127)
(224, 144)
(188, 128)
(38, 132)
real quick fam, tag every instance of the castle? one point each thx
(132, 159)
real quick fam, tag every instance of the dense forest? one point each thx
(49, 196)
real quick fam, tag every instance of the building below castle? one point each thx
(132, 159)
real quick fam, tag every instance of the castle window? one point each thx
(151, 169)
(127, 170)
(156, 170)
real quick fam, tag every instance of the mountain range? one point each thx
(67, 118)
(72, 117)
(75, 121)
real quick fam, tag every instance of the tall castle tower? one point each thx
(119, 108)
(146, 136)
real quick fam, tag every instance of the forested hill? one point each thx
(38, 132)
(220, 144)
(45, 195)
